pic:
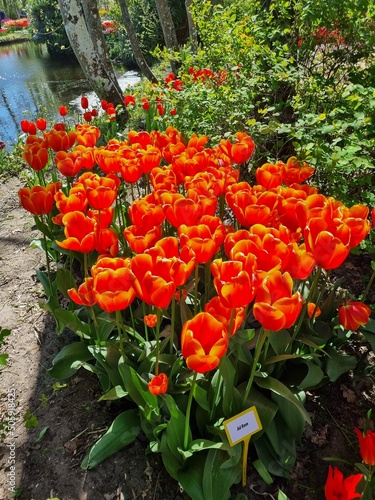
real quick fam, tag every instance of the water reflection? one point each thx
(32, 83)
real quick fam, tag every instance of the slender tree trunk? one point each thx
(84, 30)
(137, 51)
(169, 30)
(192, 27)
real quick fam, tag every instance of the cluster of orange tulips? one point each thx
(197, 239)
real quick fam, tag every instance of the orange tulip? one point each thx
(329, 243)
(146, 211)
(38, 200)
(87, 135)
(183, 260)
(79, 233)
(367, 446)
(142, 237)
(84, 296)
(36, 156)
(276, 306)
(151, 320)
(101, 192)
(106, 241)
(233, 282)
(269, 175)
(353, 314)
(313, 311)
(203, 342)
(337, 487)
(299, 263)
(296, 171)
(75, 201)
(113, 284)
(60, 140)
(223, 314)
(67, 163)
(158, 384)
(204, 239)
(153, 284)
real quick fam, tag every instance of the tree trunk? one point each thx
(137, 51)
(84, 30)
(192, 27)
(169, 30)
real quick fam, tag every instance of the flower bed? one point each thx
(196, 297)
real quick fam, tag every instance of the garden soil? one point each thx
(43, 462)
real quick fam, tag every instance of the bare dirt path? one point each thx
(74, 420)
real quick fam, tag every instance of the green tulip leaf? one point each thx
(115, 393)
(337, 364)
(69, 360)
(278, 387)
(137, 387)
(123, 431)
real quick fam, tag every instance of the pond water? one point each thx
(33, 84)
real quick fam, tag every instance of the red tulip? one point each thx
(337, 487)
(295, 171)
(367, 446)
(41, 123)
(203, 342)
(63, 110)
(129, 100)
(269, 175)
(106, 241)
(146, 211)
(158, 384)
(67, 163)
(84, 102)
(354, 314)
(276, 306)
(75, 201)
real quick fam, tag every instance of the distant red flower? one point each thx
(63, 110)
(158, 384)
(41, 123)
(129, 100)
(84, 102)
(173, 112)
(367, 446)
(145, 103)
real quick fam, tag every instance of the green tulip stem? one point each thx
(368, 287)
(207, 281)
(188, 410)
(261, 339)
(231, 321)
(145, 326)
(85, 264)
(47, 257)
(95, 321)
(310, 298)
(157, 336)
(196, 277)
(173, 319)
(119, 329)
